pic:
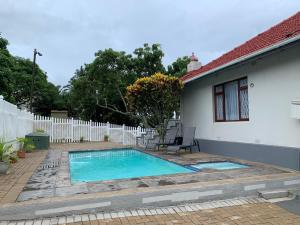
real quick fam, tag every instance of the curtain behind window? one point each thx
(231, 101)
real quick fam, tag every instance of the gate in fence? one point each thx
(71, 130)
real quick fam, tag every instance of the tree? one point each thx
(15, 83)
(6, 65)
(155, 98)
(179, 67)
(148, 60)
(98, 88)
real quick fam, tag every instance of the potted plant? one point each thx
(25, 146)
(13, 158)
(106, 137)
(6, 151)
(21, 153)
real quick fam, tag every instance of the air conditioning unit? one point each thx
(295, 108)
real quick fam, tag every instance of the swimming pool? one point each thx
(219, 165)
(103, 165)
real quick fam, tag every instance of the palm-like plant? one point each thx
(6, 151)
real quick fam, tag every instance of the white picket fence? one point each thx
(13, 121)
(71, 130)
(17, 123)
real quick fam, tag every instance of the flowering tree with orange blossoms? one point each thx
(154, 99)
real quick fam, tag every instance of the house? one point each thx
(246, 103)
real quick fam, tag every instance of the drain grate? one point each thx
(49, 165)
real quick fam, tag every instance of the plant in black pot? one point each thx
(6, 151)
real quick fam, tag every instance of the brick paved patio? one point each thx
(255, 214)
(244, 214)
(12, 184)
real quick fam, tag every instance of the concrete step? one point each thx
(279, 193)
(275, 200)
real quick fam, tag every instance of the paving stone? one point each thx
(70, 219)
(65, 191)
(127, 213)
(30, 195)
(153, 212)
(92, 217)
(114, 215)
(121, 214)
(12, 223)
(37, 222)
(54, 221)
(28, 222)
(84, 218)
(134, 213)
(100, 216)
(141, 212)
(62, 220)
(159, 211)
(46, 222)
(20, 222)
(107, 216)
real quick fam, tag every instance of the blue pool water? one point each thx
(219, 165)
(118, 164)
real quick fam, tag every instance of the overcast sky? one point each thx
(69, 32)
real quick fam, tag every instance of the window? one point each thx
(231, 101)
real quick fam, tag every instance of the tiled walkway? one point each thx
(240, 212)
(12, 184)
(262, 213)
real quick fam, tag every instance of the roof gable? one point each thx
(285, 30)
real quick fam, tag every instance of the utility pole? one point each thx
(35, 52)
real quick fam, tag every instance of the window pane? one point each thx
(244, 82)
(231, 101)
(244, 104)
(219, 105)
(219, 89)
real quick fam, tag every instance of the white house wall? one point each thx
(276, 80)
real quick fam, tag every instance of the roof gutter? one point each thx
(246, 57)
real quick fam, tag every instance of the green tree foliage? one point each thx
(15, 83)
(97, 90)
(6, 65)
(179, 67)
(155, 98)
(148, 60)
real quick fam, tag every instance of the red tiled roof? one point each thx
(280, 32)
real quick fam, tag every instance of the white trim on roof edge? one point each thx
(245, 57)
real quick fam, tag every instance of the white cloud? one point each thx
(70, 32)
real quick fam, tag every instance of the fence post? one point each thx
(107, 129)
(123, 133)
(72, 134)
(52, 125)
(90, 131)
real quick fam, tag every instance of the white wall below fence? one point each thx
(13, 121)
